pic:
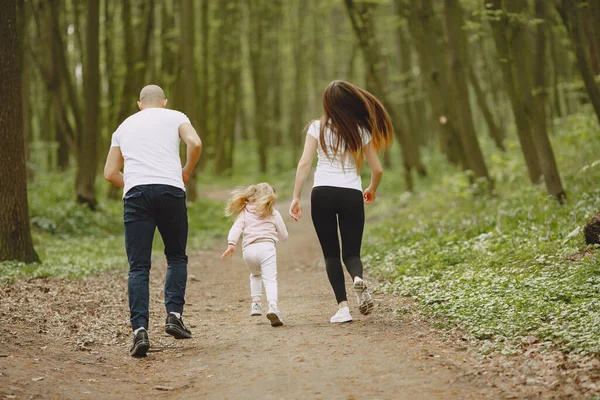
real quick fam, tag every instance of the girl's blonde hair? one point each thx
(261, 195)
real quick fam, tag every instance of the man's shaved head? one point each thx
(152, 96)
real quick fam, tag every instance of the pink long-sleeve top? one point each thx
(254, 228)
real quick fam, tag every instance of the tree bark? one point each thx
(257, 40)
(188, 77)
(568, 12)
(501, 29)
(537, 94)
(495, 132)
(300, 76)
(203, 113)
(425, 29)
(15, 231)
(85, 185)
(458, 59)
(361, 19)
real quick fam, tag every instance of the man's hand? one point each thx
(228, 252)
(185, 174)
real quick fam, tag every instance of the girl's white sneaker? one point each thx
(342, 315)
(274, 315)
(256, 309)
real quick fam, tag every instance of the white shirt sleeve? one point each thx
(182, 118)
(314, 129)
(114, 141)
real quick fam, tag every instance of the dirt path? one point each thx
(70, 339)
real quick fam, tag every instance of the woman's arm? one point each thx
(376, 173)
(310, 147)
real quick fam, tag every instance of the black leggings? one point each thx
(330, 207)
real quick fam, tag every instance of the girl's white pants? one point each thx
(261, 259)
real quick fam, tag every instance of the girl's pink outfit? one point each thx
(258, 249)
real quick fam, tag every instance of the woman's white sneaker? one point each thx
(363, 297)
(342, 315)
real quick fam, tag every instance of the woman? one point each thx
(354, 126)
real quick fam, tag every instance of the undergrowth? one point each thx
(508, 269)
(74, 242)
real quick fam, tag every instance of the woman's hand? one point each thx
(369, 195)
(296, 209)
(228, 252)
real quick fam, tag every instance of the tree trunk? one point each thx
(25, 84)
(203, 113)
(85, 186)
(501, 29)
(361, 18)
(424, 29)
(257, 40)
(15, 232)
(536, 93)
(188, 77)
(495, 132)
(568, 12)
(300, 76)
(458, 59)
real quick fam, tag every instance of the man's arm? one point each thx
(112, 168)
(188, 134)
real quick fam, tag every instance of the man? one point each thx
(147, 145)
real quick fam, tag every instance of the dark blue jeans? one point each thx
(147, 207)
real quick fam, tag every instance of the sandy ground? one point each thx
(70, 339)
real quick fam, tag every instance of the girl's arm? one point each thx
(282, 233)
(234, 235)
(376, 173)
(310, 147)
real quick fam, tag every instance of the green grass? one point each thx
(74, 242)
(501, 268)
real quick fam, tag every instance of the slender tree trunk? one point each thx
(458, 59)
(568, 12)
(188, 76)
(257, 38)
(300, 76)
(495, 132)
(425, 29)
(85, 186)
(360, 15)
(15, 232)
(536, 94)
(203, 114)
(500, 30)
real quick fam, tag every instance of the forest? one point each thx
(487, 190)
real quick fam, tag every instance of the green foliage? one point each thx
(506, 268)
(73, 241)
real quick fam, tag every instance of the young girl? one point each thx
(262, 226)
(354, 126)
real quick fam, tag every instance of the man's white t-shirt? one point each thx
(332, 170)
(149, 141)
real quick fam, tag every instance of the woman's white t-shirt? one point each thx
(149, 143)
(329, 169)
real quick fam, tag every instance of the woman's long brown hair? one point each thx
(348, 110)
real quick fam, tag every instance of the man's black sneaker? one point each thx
(175, 327)
(141, 344)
